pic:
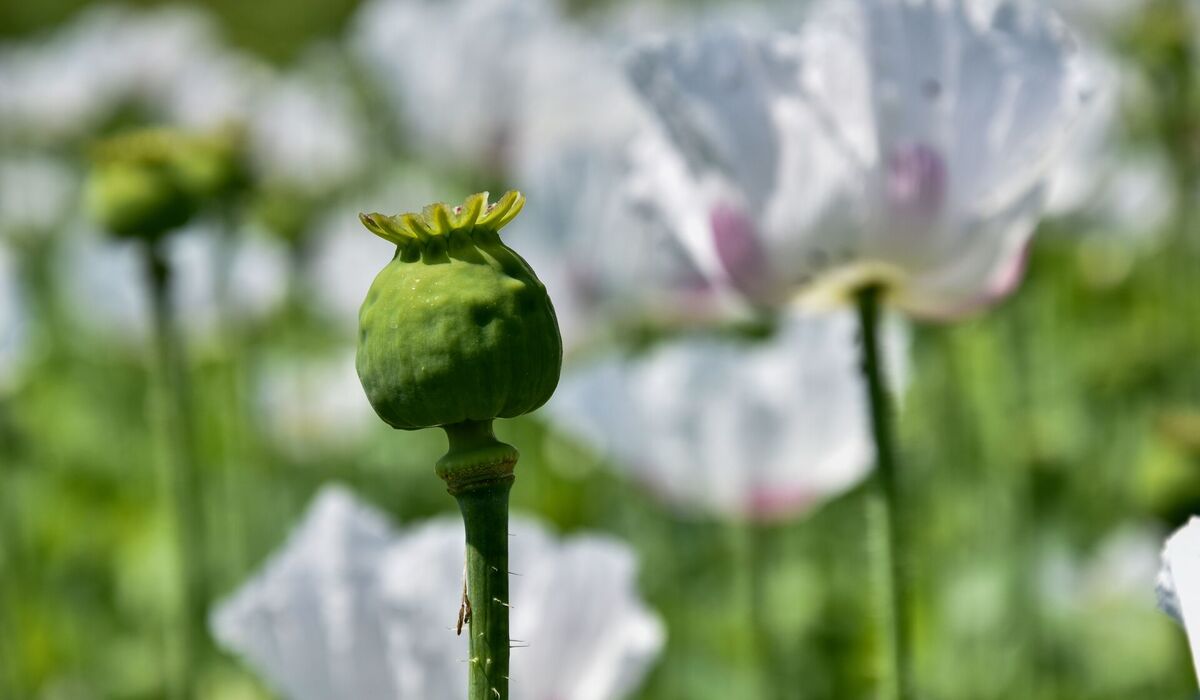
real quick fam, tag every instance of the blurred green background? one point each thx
(1047, 446)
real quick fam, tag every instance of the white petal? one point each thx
(428, 57)
(731, 427)
(1179, 582)
(574, 605)
(351, 609)
(1092, 146)
(715, 97)
(310, 621)
(895, 141)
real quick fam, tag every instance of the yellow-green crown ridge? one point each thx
(473, 216)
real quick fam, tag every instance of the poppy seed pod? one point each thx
(457, 328)
(148, 182)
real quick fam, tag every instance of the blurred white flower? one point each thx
(560, 113)
(37, 193)
(313, 404)
(302, 125)
(105, 281)
(1099, 16)
(502, 85)
(311, 620)
(894, 142)
(64, 84)
(168, 61)
(1129, 194)
(759, 429)
(575, 606)
(306, 131)
(14, 319)
(604, 260)
(1179, 582)
(350, 609)
(453, 69)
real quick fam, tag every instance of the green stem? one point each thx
(888, 496)
(181, 476)
(478, 470)
(759, 553)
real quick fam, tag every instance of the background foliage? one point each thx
(1048, 447)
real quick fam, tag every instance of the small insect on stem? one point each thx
(464, 608)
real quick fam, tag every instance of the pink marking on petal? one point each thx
(916, 182)
(739, 249)
(771, 504)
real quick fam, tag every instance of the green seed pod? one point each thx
(457, 328)
(147, 182)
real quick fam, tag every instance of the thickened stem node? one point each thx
(476, 458)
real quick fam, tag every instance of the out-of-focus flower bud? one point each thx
(148, 182)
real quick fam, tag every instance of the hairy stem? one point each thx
(888, 502)
(181, 477)
(478, 469)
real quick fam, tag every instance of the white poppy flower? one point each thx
(351, 609)
(346, 257)
(1179, 582)
(64, 83)
(740, 428)
(892, 142)
(105, 281)
(310, 620)
(302, 127)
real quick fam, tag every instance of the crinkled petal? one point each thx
(351, 609)
(309, 621)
